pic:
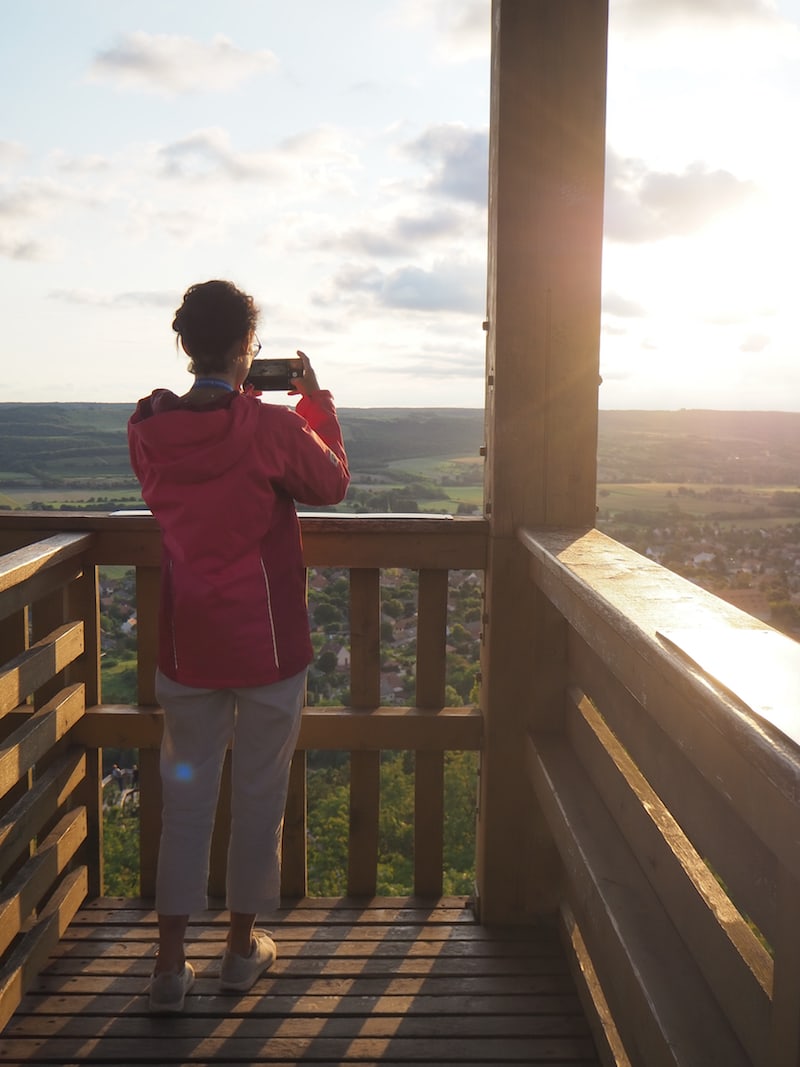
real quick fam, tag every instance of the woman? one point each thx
(220, 471)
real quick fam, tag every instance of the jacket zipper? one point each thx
(269, 613)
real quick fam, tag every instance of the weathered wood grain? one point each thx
(370, 983)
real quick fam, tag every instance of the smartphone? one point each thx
(274, 374)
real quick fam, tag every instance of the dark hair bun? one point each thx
(213, 316)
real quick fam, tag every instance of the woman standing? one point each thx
(220, 471)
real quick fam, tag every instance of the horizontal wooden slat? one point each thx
(23, 563)
(21, 897)
(330, 540)
(659, 1001)
(735, 964)
(710, 821)
(38, 734)
(39, 585)
(23, 963)
(337, 728)
(28, 671)
(22, 823)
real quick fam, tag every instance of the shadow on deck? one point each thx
(388, 982)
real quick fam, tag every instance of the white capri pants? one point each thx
(262, 725)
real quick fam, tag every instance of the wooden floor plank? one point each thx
(381, 983)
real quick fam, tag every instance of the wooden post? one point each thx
(83, 602)
(365, 767)
(546, 173)
(147, 590)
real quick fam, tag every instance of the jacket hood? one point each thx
(189, 445)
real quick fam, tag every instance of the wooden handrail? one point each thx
(672, 786)
(21, 565)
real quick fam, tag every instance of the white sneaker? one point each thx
(167, 991)
(239, 973)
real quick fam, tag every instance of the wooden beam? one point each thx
(665, 1011)
(23, 563)
(546, 176)
(38, 734)
(31, 953)
(331, 729)
(24, 821)
(31, 669)
(21, 897)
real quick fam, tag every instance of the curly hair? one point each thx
(213, 316)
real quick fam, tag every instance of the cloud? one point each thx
(402, 236)
(756, 342)
(459, 158)
(312, 162)
(11, 152)
(80, 165)
(654, 15)
(33, 198)
(648, 205)
(615, 304)
(91, 298)
(165, 63)
(26, 203)
(208, 153)
(463, 26)
(28, 250)
(449, 286)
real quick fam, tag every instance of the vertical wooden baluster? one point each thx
(83, 603)
(431, 638)
(365, 767)
(221, 835)
(147, 589)
(294, 865)
(365, 638)
(149, 819)
(429, 766)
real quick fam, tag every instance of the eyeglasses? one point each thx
(255, 345)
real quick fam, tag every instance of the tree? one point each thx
(121, 853)
(327, 662)
(326, 613)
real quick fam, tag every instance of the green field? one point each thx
(742, 505)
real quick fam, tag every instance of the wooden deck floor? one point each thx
(387, 983)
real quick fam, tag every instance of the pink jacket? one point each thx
(222, 482)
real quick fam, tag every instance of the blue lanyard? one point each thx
(214, 383)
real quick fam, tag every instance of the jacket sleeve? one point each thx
(315, 463)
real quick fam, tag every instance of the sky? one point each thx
(331, 158)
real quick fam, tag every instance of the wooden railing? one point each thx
(49, 788)
(55, 723)
(670, 778)
(667, 764)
